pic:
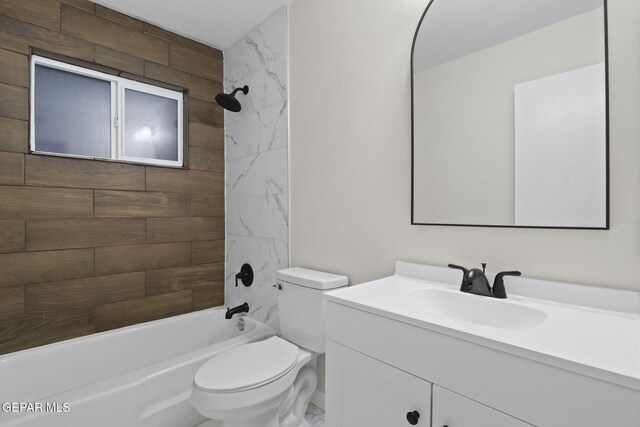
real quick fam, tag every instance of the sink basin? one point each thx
(472, 308)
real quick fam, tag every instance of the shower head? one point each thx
(229, 101)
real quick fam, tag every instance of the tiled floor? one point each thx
(315, 418)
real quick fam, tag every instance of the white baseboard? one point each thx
(317, 399)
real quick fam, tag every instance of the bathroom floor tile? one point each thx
(315, 416)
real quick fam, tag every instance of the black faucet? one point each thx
(244, 308)
(498, 289)
(474, 281)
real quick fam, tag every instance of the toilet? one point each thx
(269, 383)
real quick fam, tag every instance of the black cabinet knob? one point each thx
(413, 417)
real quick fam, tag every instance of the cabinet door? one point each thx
(363, 392)
(452, 410)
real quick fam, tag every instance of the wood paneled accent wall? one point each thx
(87, 246)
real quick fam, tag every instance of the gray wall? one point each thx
(350, 156)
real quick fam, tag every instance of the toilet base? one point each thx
(296, 404)
(270, 419)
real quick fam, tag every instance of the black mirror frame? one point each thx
(607, 160)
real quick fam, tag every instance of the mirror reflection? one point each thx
(510, 114)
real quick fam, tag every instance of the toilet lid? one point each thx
(247, 366)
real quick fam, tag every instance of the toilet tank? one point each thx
(302, 305)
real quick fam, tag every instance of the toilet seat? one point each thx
(247, 366)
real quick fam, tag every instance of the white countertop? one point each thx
(599, 338)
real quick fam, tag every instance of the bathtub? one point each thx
(135, 376)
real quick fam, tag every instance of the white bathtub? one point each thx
(135, 376)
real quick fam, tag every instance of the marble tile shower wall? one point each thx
(256, 165)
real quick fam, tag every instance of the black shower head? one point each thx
(229, 101)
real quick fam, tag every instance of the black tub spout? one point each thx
(244, 308)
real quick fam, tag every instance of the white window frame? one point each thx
(118, 87)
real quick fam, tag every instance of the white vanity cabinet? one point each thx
(453, 410)
(382, 365)
(364, 392)
(367, 393)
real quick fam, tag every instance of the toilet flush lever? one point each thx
(245, 275)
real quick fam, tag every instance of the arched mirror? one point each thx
(510, 114)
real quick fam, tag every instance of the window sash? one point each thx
(152, 90)
(118, 87)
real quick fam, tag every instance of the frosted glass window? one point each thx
(72, 113)
(80, 112)
(150, 126)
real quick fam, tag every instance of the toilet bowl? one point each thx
(269, 383)
(256, 385)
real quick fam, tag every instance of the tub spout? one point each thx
(244, 308)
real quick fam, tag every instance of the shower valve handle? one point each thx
(245, 275)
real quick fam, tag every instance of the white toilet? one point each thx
(269, 383)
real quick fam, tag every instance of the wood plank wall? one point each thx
(87, 246)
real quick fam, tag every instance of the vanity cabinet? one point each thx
(367, 393)
(453, 410)
(380, 367)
